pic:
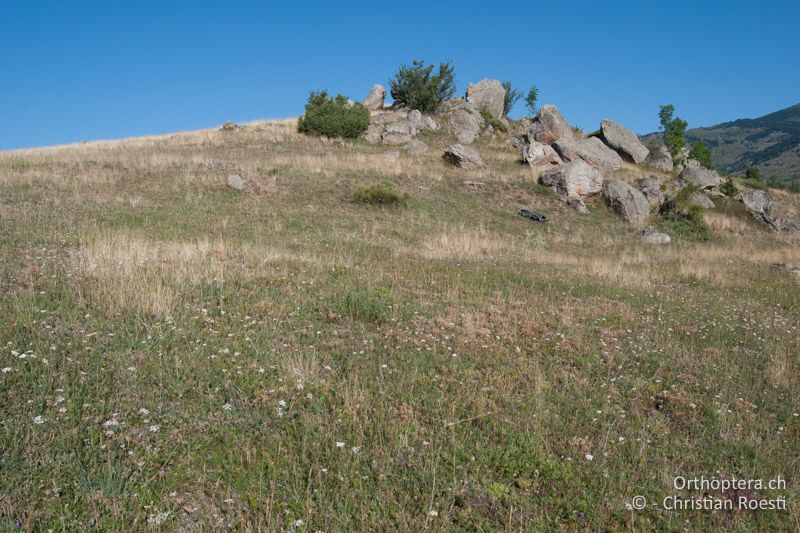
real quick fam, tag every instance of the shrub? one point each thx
(417, 87)
(682, 220)
(752, 173)
(512, 97)
(674, 129)
(728, 188)
(381, 193)
(530, 99)
(333, 117)
(493, 121)
(369, 305)
(701, 153)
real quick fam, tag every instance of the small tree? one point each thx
(752, 173)
(512, 97)
(333, 117)
(674, 129)
(418, 87)
(701, 153)
(530, 99)
(728, 188)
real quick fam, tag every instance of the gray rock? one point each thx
(235, 182)
(488, 95)
(463, 156)
(516, 142)
(466, 122)
(578, 205)
(549, 126)
(391, 154)
(623, 141)
(627, 201)
(660, 158)
(573, 179)
(651, 188)
(696, 174)
(592, 150)
(415, 146)
(387, 116)
(395, 138)
(699, 199)
(650, 235)
(375, 98)
(430, 124)
(539, 155)
(759, 204)
(415, 119)
(374, 133)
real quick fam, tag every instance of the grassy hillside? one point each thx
(176, 355)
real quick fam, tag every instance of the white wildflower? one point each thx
(39, 419)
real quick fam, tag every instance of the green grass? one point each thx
(284, 358)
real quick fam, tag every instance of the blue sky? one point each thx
(76, 71)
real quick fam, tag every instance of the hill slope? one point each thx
(771, 142)
(180, 356)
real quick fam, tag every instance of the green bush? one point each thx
(674, 129)
(417, 87)
(681, 220)
(381, 193)
(493, 121)
(333, 117)
(512, 97)
(728, 188)
(701, 154)
(752, 173)
(368, 305)
(530, 99)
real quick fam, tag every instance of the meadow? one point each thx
(180, 356)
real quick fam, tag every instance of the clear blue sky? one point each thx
(75, 71)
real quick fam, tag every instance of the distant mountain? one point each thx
(771, 142)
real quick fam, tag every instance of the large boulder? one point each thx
(699, 199)
(539, 155)
(652, 189)
(623, 141)
(488, 95)
(466, 122)
(397, 133)
(375, 98)
(463, 156)
(627, 201)
(651, 235)
(591, 150)
(696, 174)
(549, 126)
(660, 158)
(573, 180)
(759, 204)
(416, 147)
(374, 133)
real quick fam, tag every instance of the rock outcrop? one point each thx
(397, 126)
(573, 180)
(415, 147)
(591, 150)
(549, 126)
(624, 141)
(651, 235)
(759, 204)
(699, 199)
(696, 174)
(627, 201)
(466, 122)
(651, 187)
(376, 97)
(463, 156)
(488, 95)
(660, 158)
(539, 155)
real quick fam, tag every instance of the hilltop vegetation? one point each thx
(771, 143)
(293, 354)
